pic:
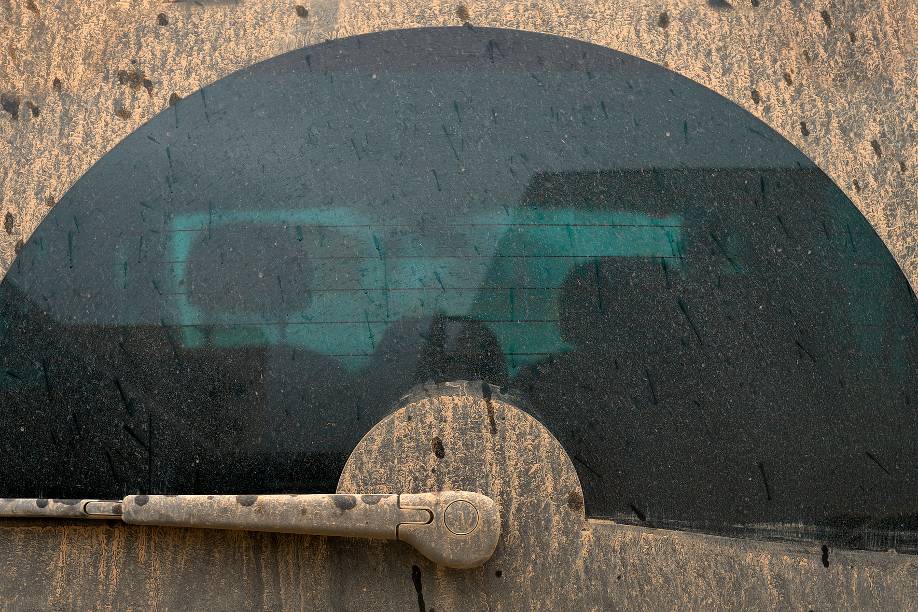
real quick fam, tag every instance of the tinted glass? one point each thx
(236, 293)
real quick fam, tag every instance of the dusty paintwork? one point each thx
(549, 555)
(836, 78)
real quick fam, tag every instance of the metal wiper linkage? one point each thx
(456, 529)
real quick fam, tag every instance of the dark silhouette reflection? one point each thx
(461, 348)
(727, 385)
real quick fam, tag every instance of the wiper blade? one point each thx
(456, 529)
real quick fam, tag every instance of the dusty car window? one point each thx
(236, 293)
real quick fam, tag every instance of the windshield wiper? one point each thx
(456, 529)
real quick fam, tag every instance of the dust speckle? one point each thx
(162, 19)
(436, 445)
(418, 586)
(135, 79)
(10, 104)
(663, 20)
(344, 502)
(575, 501)
(876, 148)
(720, 5)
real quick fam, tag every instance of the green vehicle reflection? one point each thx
(503, 269)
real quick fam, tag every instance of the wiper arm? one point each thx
(456, 529)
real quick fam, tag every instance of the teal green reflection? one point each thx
(503, 268)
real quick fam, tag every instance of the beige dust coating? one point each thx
(835, 77)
